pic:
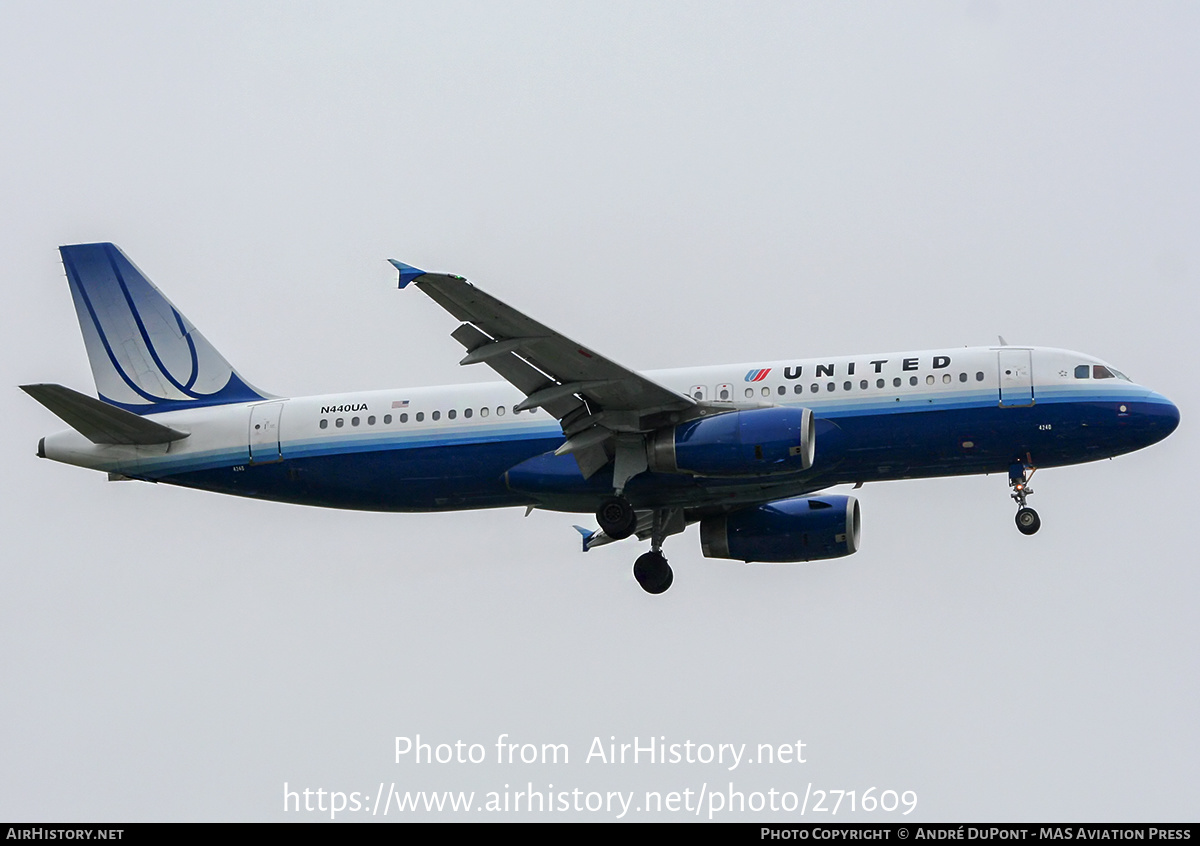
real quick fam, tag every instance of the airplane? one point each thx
(744, 450)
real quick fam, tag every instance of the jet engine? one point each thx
(736, 443)
(801, 529)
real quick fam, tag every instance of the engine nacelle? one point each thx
(801, 529)
(737, 443)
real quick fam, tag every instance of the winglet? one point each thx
(407, 272)
(587, 536)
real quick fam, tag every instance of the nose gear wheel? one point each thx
(1028, 521)
(1019, 474)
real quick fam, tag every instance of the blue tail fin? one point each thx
(146, 357)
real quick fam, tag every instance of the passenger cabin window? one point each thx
(437, 415)
(467, 412)
(451, 414)
(324, 424)
(698, 392)
(725, 392)
(420, 416)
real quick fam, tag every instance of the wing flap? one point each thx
(515, 370)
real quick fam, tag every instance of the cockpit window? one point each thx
(1099, 371)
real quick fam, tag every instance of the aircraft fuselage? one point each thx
(878, 417)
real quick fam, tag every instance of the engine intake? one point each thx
(800, 529)
(737, 443)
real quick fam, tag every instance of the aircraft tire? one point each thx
(653, 572)
(1028, 521)
(616, 517)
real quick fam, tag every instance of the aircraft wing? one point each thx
(593, 397)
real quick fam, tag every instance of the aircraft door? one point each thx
(724, 392)
(698, 392)
(264, 433)
(1016, 378)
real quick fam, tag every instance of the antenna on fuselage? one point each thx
(1003, 342)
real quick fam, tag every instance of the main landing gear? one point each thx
(653, 572)
(616, 517)
(618, 520)
(1028, 521)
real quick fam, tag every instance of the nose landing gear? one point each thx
(1028, 521)
(1019, 474)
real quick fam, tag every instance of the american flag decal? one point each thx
(399, 403)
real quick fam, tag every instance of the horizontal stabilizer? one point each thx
(98, 421)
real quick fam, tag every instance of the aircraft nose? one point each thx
(1161, 415)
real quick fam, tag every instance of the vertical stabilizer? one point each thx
(146, 356)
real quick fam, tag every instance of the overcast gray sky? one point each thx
(673, 184)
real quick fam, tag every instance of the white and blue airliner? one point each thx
(742, 449)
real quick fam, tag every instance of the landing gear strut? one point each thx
(1019, 475)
